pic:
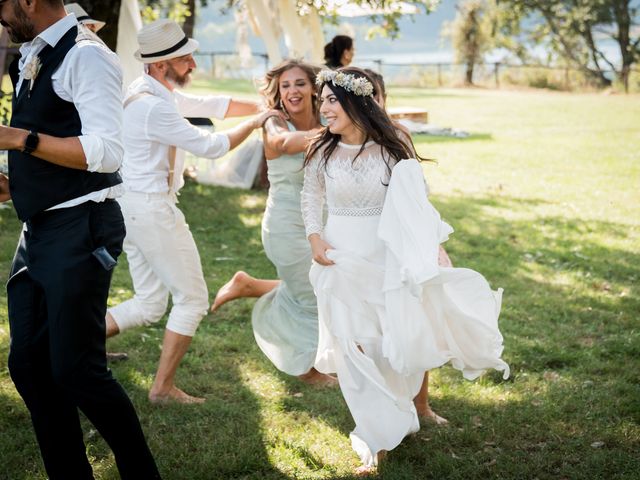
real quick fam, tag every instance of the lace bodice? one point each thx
(348, 187)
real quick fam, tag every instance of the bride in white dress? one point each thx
(387, 311)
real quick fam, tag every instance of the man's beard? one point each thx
(22, 30)
(174, 77)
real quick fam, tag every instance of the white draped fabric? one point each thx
(128, 26)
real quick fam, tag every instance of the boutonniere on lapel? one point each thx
(31, 70)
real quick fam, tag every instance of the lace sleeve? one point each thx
(313, 196)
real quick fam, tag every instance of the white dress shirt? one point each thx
(90, 77)
(155, 122)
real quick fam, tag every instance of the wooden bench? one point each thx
(410, 113)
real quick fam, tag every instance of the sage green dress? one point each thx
(285, 320)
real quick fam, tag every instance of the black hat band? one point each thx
(162, 53)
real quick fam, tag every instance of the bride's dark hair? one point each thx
(369, 118)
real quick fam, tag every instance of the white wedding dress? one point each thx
(387, 311)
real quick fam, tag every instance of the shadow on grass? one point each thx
(568, 329)
(569, 319)
(567, 323)
(561, 280)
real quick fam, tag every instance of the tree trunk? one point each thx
(107, 11)
(468, 76)
(623, 19)
(624, 77)
(190, 21)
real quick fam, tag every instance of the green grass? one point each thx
(544, 197)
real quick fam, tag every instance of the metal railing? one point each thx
(227, 64)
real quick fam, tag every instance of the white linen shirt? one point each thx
(91, 78)
(155, 122)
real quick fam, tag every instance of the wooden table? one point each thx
(411, 113)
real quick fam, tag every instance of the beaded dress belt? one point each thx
(355, 212)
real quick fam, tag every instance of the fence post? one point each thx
(213, 64)
(378, 65)
(439, 66)
(496, 73)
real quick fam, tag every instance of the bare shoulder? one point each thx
(275, 125)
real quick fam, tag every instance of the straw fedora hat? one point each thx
(163, 40)
(82, 16)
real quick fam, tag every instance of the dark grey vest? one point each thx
(36, 184)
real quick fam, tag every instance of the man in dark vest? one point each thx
(64, 154)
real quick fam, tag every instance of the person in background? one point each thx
(421, 401)
(285, 317)
(163, 257)
(381, 99)
(83, 17)
(339, 52)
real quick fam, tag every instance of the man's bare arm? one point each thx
(280, 140)
(66, 152)
(242, 108)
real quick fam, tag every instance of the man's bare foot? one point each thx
(117, 356)
(175, 395)
(425, 413)
(314, 377)
(237, 287)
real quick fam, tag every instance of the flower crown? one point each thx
(359, 86)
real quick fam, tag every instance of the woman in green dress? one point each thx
(285, 317)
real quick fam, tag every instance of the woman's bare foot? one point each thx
(425, 413)
(314, 377)
(365, 470)
(175, 395)
(238, 286)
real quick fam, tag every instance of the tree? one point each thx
(184, 12)
(470, 33)
(386, 21)
(573, 31)
(190, 20)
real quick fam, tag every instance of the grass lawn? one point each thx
(544, 196)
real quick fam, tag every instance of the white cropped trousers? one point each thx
(163, 258)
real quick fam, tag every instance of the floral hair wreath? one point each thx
(359, 86)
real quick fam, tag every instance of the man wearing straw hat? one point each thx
(65, 149)
(163, 257)
(83, 17)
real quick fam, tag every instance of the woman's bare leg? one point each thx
(443, 258)
(421, 401)
(242, 285)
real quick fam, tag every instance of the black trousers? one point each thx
(57, 296)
